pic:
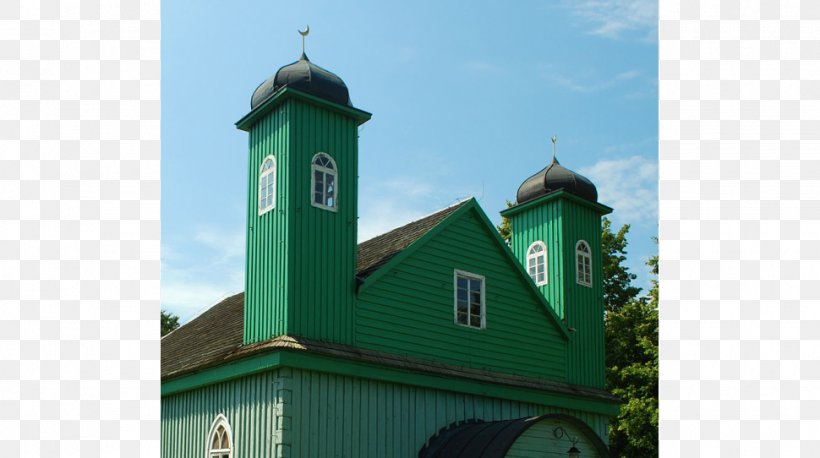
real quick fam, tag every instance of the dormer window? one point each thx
(323, 182)
(583, 264)
(219, 439)
(537, 263)
(267, 185)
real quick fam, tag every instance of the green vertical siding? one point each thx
(267, 290)
(544, 223)
(560, 223)
(301, 260)
(324, 242)
(337, 416)
(250, 404)
(409, 311)
(299, 413)
(585, 309)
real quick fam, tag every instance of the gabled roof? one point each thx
(471, 205)
(376, 252)
(206, 339)
(210, 337)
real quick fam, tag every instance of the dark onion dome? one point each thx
(304, 76)
(555, 177)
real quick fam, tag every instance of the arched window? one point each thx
(323, 182)
(583, 264)
(537, 263)
(220, 444)
(267, 184)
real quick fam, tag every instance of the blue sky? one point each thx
(464, 102)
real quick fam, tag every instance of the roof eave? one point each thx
(598, 207)
(286, 92)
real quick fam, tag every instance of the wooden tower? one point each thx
(556, 235)
(302, 213)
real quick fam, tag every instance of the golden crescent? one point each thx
(307, 31)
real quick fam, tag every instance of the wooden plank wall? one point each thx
(301, 260)
(409, 311)
(249, 404)
(297, 413)
(337, 416)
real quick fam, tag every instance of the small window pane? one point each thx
(475, 321)
(225, 444)
(462, 282)
(475, 285)
(462, 306)
(462, 317)
(215, 444)
(462, 294)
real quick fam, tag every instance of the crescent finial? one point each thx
(304, 34)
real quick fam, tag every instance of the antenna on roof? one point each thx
(554, 141)
(304, 34)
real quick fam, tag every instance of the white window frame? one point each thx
(335, 172)
(535, 256)
(588, 256)
(470, 276)
(220, 420)
(269, 173)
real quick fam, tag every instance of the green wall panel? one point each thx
(250, 405)
(560, 223)
(301, 259)
(304, 413)
(409, 310)
(337, 416)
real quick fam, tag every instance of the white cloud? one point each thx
(380, 217)
(578, 83)
(188, 299)
(629, 186)
(226, 244)
(386, 205)
(201, 270)
(614, 18)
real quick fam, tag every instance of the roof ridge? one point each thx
(421, 218)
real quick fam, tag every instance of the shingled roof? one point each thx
(217, 333)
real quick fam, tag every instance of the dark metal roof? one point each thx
(493, 439)
(555, 177)
(307, 77)
(375, 252)
(218, 331)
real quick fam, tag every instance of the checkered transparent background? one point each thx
(740, 228)
(79, 228)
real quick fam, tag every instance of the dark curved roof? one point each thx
(307, 77)
(555, 177)
(492, 439)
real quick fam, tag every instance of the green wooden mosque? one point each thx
(436, 339)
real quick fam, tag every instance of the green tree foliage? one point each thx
(505, 229)
(169, 322)
(618, 289)
(631, 346)
(632, 362)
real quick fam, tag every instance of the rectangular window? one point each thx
(469, 296)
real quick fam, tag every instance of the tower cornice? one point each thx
(285, 93)
(561, 194)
